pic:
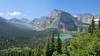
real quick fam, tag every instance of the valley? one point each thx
(58, 34)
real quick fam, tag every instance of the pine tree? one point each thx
(89, 29)
(39, 52)
(48, 48)
(99, 23)
(30, 53)
(59, 44)
(92, 27)
(52, 44)
(67, 52)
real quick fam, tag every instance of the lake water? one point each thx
(65, 36)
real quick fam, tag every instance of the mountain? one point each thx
(84, 17)
(23, 20)
(14, 36)
(22, 32)
(57, 19)
(2, 20)
(36, 23)
(21, 23)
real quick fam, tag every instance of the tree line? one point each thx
(85, 44)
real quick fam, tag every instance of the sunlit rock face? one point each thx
(57, 19)
(85, 19)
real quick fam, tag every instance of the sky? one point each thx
(31, 9)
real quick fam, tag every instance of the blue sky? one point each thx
(36, 8)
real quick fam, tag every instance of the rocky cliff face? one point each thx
(85, 19)
(57, 19)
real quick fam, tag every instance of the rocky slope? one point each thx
(57, 19)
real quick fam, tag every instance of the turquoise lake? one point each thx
(65, 36)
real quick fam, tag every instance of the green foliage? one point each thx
(38, 51)
(12, 37)
(59, 45)
(53, 43)
(84, 44)
(17, 52)
(48, 49)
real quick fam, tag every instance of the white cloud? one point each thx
(1, 14)
(14, 13)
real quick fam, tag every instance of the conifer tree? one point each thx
(67, 52)
(39, 51)
(59, 44)
(92, 27)
(89, 29)
(48, 48)
(52, 44)
(30, 53)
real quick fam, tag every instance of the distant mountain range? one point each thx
(15, 20)
(56, 19)
(64, 21)
(23, 31)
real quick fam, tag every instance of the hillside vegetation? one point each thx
(84, 44)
